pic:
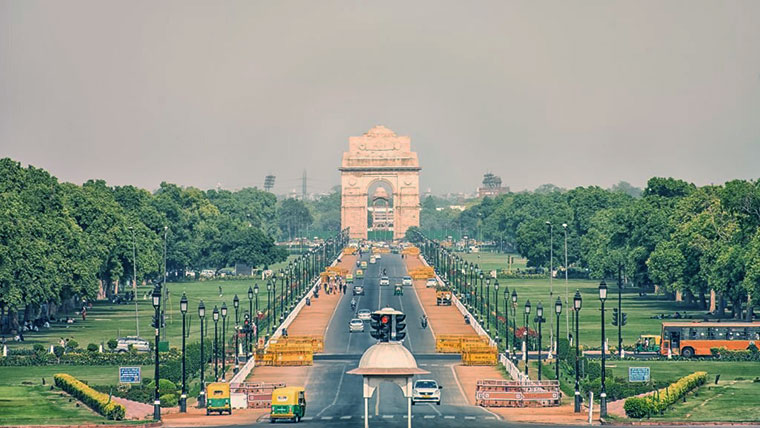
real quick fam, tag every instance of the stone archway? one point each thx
(380, 155)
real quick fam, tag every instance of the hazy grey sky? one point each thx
(200, 93)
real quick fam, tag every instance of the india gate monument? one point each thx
(380, 181)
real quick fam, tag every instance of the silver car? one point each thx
(426, 390)
(356, 325)
(138, 344)
(364, 314)
(385, 281)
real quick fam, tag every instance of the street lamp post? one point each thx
(157, 323)
(134, 279)
(551, 275)
(577, 301)
(603, 394)
(496, 293)
(506, 318)
(540, 320)
(525, 336)
(202, 395)
(269, 293)
(514, 325)
(256, 315)
(557, 311)
(224, 338)
(183, 397)
(248, 336)
(567, 317)
(488, 304)
(215, 316)
(236, 305)
(480, 308)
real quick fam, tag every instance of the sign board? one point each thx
(638, 374)
(130, 375)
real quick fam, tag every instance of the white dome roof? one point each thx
(388, 358)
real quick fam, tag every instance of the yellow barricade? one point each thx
(411, 251)
(452, 343)
(349, 251)
(488, 358)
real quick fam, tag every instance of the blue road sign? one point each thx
(130, 375)
(638, 374)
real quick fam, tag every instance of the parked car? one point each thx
(431, 282)
(426, 390)
(407, 280)
(364, 314)
(385, 281)
(139, 344)
(356, 325)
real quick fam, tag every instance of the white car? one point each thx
(385, 281)
(372, 260)
(356, 325)
(407, 280)
(431, 282)
(378, 256)
(138, 344)
(364, 314)
(426, 390)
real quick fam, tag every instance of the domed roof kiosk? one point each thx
(387, 362)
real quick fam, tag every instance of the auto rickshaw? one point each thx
(648, 343)
(288, 403)
(349, 278)
(218, 398)
(364, 264)
(398, 290)
(359, 274)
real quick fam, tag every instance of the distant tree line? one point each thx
(675, 235)
(61, 243)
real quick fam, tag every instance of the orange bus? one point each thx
(690, 338)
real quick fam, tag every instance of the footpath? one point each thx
(448, 320)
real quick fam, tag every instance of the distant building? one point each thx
(491, 186)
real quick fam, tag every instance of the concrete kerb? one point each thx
(146, 425)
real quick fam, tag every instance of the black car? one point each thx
(358, 290)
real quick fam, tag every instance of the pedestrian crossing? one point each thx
(385, 417)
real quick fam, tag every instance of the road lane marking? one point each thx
(345, 417)
(490, 417)
(456, 378)
(428, 417)
(387, 416)
(449, 417)
(307, 418)
(337, 392)
(469, 417)
(434, 409)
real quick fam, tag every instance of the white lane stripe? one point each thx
(326, 418)
(449, 417)
(428, 416)
(335, 400)
(490, 417)
(307, 418)
(345, 417)
(387, 416)
(469, 417)
(434, 409)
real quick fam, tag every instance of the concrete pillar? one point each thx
(679, 296)
(712, 301)
(366, 412)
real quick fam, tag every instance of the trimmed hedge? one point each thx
(658, 401)
(97, 401)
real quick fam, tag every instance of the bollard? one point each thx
(590, 407)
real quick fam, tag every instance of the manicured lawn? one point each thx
(671, 371)
(494, 261)
(106, 321)
(735, 401)
(94, 375)
(38, 405)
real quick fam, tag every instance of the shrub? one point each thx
(165, 386)
(92, 347)
(112, 344)
(97, 401)
(58, 351)
(168, 400)
(38, 348)
(71, 345)
(659, 400)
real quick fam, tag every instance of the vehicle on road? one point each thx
(398, 290)
(288, 403)
(431, 282)
(137, 343)
(384, 280)
(407, 280)
(350, 278)
(364, 314)
(689, 339)
(356, 325)
(648, 343)
(372, 260)
(442, 295)
(378, 256)
(218, 398)
(364, 264)
(426, 390)
(359, 274)
(358, 290)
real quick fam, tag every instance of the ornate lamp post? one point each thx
(488, 304)
(506, 318)
(215, 316)
(603, 394)
(557, 311)
(514, 324)
(224, 338)
(183, 397)
(577, 301)
(236, 305)
(482, 297)
(256, 315)
(269, 293)
(539, 320)
(157, 324)
(248, 336)
(525, 336)
(202, 395)
(496, 321)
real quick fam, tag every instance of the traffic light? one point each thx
(400, 326)
(155, 322)
(614, 316)
(381, 327)
(624, 319)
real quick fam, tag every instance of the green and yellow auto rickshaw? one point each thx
(218, 398)
(364, 264)
(288, 403)
(359, 274)
(349, 279)
(398, 290)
